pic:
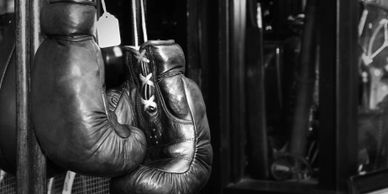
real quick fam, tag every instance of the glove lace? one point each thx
(147, 84)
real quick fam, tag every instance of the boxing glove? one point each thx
(172, 113)
(74, 123)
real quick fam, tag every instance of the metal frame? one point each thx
(338, 92)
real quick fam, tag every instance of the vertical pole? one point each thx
(22, 121)
(31, 166)
(237, 89)
(347, 86)
(135, 23)
(305, 84)
(338, 90)
(223, 47)
(256, 119)
(38, 161)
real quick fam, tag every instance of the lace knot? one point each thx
(149, 104)
(141, 57)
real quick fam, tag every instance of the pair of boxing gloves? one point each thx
(151, 134)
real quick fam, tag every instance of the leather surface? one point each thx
(179, 153)
(70, 108)
(68, 18)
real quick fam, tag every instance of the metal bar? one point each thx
(347, 90)
(31, 164)
(237, 95)
(22, 108)
(255, 95)
(38, 160)
(305, 84)
(338, 92)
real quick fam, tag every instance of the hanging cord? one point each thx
(143, 21)
(103, 6)
(146, 76)
(135, 30)
(135, 22)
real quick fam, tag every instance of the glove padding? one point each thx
(172, 113)
(70, 108)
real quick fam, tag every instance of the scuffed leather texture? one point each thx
(179, 153)
(70, 109)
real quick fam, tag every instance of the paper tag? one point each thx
(108, 31)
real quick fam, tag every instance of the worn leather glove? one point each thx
(172, 114)
(73, 122)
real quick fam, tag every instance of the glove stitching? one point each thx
(82, 2)
(169, 115)
(71, 38)
(117, 95)
(194, 156)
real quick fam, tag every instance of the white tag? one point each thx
(108, 31)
